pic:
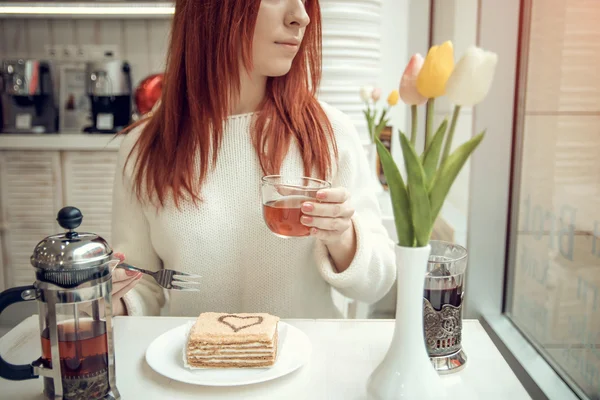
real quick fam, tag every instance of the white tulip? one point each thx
(472, 77)
(365, 93)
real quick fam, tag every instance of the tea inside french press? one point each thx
(83, 353)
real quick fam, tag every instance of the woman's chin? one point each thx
(279, 68)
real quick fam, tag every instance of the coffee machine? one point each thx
(27, 97)
(108, 84)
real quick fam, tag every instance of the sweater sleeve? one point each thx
(131, 236)
(372, 272)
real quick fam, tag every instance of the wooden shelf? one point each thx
(95, 10)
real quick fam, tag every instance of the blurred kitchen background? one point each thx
(527, 207)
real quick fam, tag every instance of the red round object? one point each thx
(148, 93)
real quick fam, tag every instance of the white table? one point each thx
(344, 354)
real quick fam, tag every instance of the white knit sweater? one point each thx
(244, 267)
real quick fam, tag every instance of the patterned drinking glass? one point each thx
(442, 306)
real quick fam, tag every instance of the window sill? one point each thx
(532, 369)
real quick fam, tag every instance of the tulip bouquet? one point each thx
(371, 97)
(432, 171)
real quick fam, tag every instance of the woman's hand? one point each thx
(122, 282)
(330, 221)
(329, 216)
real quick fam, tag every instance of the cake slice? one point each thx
(221, 340)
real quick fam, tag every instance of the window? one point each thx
(534, 229)
(553, 293)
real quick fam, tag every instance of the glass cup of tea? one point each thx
(282, 199)
(442, 306)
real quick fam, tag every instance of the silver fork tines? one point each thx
(184, 289)
(191, 283)
(168, 278)
(186, 277)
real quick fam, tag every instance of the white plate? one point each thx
(164, 355)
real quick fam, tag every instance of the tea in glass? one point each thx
(442, 306)
(282, 199)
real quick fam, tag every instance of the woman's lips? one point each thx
(289, 45)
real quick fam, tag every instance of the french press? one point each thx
(73, 290)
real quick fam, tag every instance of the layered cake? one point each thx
(220, 340)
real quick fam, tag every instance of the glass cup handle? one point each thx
(10, 296)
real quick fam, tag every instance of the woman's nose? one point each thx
(297, 15)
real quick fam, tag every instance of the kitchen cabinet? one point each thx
(30, 194)
(88, 180)
(34, 185)
(2, 286)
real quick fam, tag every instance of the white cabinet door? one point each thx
(88, 182)
(3, 285)
(30, 198)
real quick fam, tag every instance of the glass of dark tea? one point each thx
(282, 199)
(442, 305)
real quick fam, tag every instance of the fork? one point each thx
(168, 278)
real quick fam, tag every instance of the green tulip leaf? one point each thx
(400, 202)
(448, 171)
(417, 193)
(432, 154)
(381, 126)
(370, 123)
(382, 117)
(403, 134)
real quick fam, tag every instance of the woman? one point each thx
(239, 103)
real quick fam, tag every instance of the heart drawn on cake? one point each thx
(238, 323)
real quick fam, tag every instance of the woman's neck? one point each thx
(252, 93)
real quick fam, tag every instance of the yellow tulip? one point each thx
(393, 98)
(436, 70)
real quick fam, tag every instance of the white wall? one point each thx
(394, 56)
(405, 27)
(456, 20)
(489, 178)
(404, 31)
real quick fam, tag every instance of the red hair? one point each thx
(203, 68)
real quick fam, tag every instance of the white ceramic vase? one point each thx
(406, 372)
